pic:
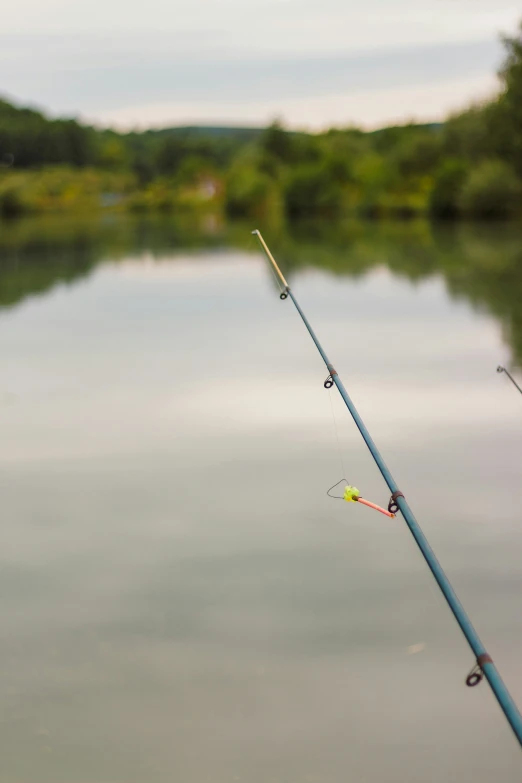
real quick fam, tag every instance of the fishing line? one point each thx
(334, 420)
(336, 433)
(483, 665)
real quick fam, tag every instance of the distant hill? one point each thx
(69, 140)
(419, 126)
(208, 131)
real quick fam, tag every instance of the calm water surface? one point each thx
(180, 601)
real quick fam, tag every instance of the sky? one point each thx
(310, 63)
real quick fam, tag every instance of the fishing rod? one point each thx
(484, 666)
(513, 381)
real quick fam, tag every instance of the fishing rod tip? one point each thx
(255, 231)
(500, 368)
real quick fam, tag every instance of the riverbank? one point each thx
(489, 192)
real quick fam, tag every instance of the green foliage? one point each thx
(277, 143)
(59, 188)
(113, 154)
(466, 166)
(312, 190)
(467, 135)
(32, 139)
(511, 99)
(491, 190)
(12, 202)
(157, 196)
(445, 197)
(417, 155)
(251, 192)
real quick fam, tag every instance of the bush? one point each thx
(12, 201)
(251, 193)
(447, 188)
(417, 155)
(491, 190)
(59, 188)
(311, 190)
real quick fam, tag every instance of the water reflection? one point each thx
(479, 263)
(180, 599)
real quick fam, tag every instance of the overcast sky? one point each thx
(312, 63)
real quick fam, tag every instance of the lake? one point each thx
(180, 599)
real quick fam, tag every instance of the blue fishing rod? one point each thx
(484, 666)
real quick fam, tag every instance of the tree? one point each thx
(276, 142)
(251, 192)
(511, 98)
(447, 188)
(491, 190)
(311, 190)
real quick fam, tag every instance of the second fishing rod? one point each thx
(484, 665)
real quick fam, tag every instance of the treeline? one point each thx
(469, 166)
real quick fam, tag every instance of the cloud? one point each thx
(265, 25)
(231, 61)
(303, 89)
(367, 108)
